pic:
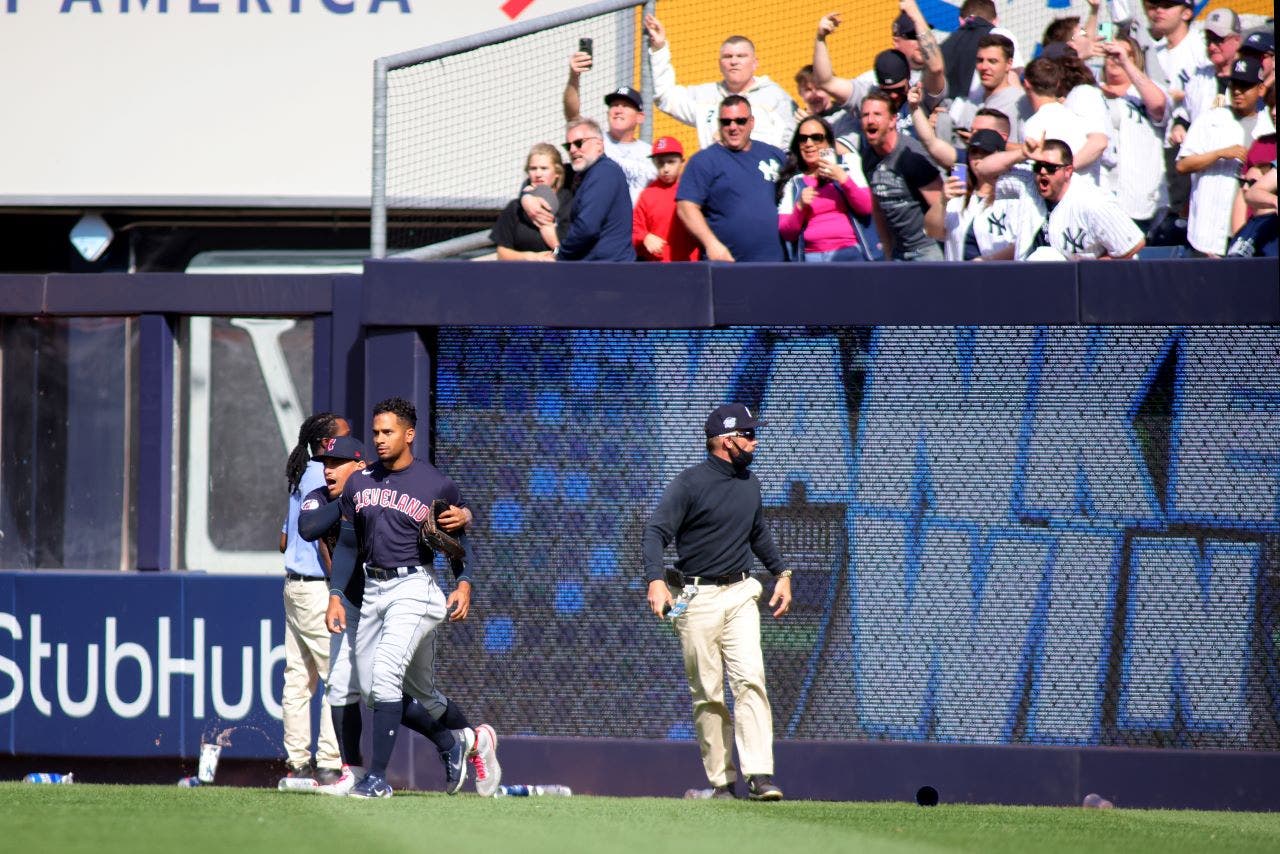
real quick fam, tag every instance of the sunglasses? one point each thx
(575, 144)
(812, 137)
(740, 122)
(749, 435)
(1038, 166)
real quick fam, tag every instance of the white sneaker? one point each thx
(344, 784)
(484, 761)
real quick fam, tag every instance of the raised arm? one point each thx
(671, 98)
(578, 63)
(840, 88)
(935, 70)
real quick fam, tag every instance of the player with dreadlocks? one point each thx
(306, 642)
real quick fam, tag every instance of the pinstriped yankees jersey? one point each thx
(1086, 223)
(1213, 189)
(1133, 164)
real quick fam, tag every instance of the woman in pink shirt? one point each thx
(817, 198)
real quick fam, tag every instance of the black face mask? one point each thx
(741, 459)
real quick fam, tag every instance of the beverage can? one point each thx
(45, 777)
(209, 754)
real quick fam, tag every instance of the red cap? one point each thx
(667, 145)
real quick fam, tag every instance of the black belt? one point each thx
(380, 573)
(719, 580)
(293, 576)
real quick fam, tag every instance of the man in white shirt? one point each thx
(1207, 88)
(1211, 154)
(1042, 82)
(1080, 220)
(995, 59)
(626, 115)
(699, 105)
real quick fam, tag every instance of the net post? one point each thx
(378, 199)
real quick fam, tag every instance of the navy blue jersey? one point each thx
(387, 509)
(319, 519)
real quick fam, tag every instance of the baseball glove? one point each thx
(431, 536)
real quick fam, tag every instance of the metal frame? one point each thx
(386, 64)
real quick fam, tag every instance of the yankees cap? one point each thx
(627, 94)
(730, 418)
(1261, 40)
(1222, 23)
(1247, 69)
(340, 448)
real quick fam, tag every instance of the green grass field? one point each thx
(169, 819)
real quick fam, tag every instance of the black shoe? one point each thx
(760, 788)
(455, 760)
(327, 776)
(299, 772)
(724, 792)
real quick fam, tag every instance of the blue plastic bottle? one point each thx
(35, 777)
(520, 791)
(189, 782)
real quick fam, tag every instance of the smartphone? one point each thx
(960, 172)
(584, 46)
(827, 154)
(1106, 31)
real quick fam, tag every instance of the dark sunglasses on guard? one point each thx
(740, 121)
(812, 137)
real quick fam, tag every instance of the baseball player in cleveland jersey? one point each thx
(382, 510)
(320, 520)
(1080, 219)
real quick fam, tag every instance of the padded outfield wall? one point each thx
(1051, 530)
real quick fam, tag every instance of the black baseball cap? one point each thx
(1246, 69)
(627, 94)
(986, 140)
(730, 418)
(1057, 50)
(892, 67)
(340, 448)
(904, 27)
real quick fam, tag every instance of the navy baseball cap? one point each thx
(986, 140)
(340, 448)
(1246, 69)
(627, 94)
(904, 27)
(730, 418)
(1260, 40)
(892, 67)
(1057, 50)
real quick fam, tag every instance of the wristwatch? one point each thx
(786, 573)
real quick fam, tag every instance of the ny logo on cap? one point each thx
(730, 423)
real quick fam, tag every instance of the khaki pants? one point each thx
(720, 633)
(306, 662)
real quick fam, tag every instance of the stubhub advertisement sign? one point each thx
(142, 665)
(201, 102)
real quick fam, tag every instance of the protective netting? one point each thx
(1000, 535)
(458, 128)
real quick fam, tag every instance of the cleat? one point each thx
(372, 786)
(484, 761)
(455, 759)
(344, 784)
(760, 787)
(722, 793)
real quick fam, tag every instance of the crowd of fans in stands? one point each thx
(1147, 130)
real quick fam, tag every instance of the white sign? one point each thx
(264, 102)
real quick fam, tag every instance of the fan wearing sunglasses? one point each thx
(1079, 219)
(817, 197)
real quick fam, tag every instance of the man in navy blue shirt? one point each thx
(726, 196)
(600, 219)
